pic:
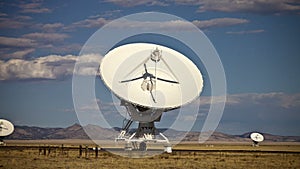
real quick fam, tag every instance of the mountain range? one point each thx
(77, 131)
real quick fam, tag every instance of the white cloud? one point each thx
(48, 67)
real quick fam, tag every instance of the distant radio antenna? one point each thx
(6, 128)
(256, 138)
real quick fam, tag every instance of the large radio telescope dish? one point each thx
(149, 79)
(151, 75)
(6, 128)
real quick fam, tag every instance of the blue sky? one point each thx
(257, 41)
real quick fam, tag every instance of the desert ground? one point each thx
(214, 155)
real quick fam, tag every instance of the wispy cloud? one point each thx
(246, 32)
(3, 14)
(24, 21)
(219, 22)
(34, 7)
(17, 42)
(32, 39)
(13, 47)
(278, 99)
(242, 101)
(274, 112)
(96, 22)
(247, 6)
(50, 27)
(109, 14)
(132, 3)
(15, 22)
(17, 54)
(267, 112)
(26, 44)
(46, 37)
(88, 23)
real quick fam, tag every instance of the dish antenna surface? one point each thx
(6, 128)
(256, 138)
(149, 79)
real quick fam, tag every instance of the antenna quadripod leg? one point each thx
(146, 132)
(168, 147)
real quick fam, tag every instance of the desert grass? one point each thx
(69, 158)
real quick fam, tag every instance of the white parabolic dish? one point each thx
(166, 81)
(6, 127)
(257, 137)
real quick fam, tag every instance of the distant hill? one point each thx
(73, 132)
(76, 131)
(31, 133)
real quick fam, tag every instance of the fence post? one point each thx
(86, 151)
(96, 152)
(49, 149)
(44, 150)
(40, 150)
(80, 150)
(62, 149)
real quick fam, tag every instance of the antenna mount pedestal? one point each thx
(146, 131)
